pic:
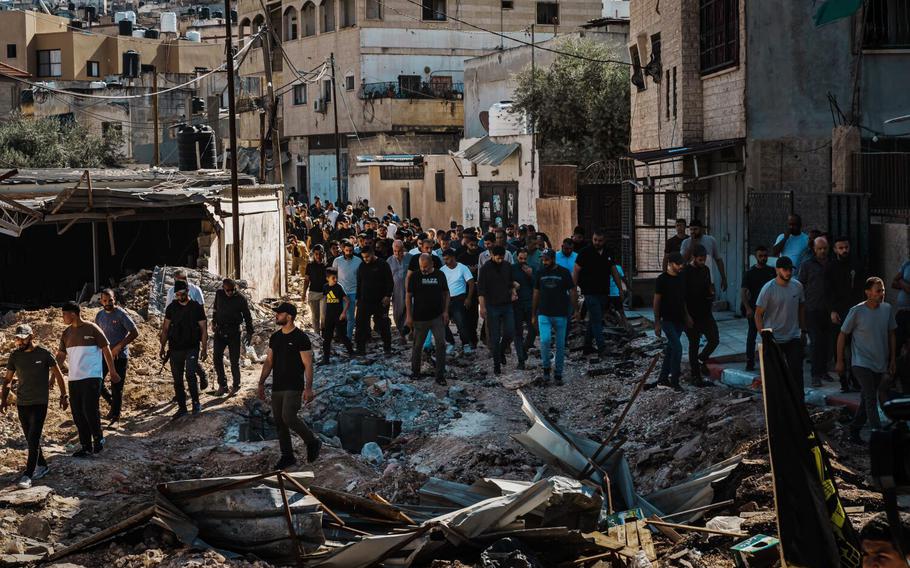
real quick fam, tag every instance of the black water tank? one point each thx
(205, 13)
(208, 149)
(71, 6)
(189, 138)
(198, 105)
(131, 64)
(217, 14)
(151, 34)
(76, 24)
(89, 13)
(125, 27)
(233, 16)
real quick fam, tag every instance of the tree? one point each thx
(580, 107)
(49, 143)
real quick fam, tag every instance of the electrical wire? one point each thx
(125, 97)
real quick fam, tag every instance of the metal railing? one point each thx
(887, 25)
(395, 90)
(885, 176)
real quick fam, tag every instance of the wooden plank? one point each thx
(109, 532)
(644, 540)
(632, 536)
(88, 178)
(610, 543)
(674, 536)
(110, 235)
(736, 534)
(64, 195)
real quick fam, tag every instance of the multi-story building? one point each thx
(745, 111)
(89, 62)
(399, 67)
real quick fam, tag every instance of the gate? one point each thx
(600, 207)
(848, 215)
(767, 213)
(654, 215)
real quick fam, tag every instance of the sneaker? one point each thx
(82, 453)
(40, 471)
(197, 408)
(285, 462)
(312, 451)
(497, 369)
(703, 367)
(387, 350)
(450, 349)
(557, 378)
(546, 375)
(233, 390)
(520, 366)
(467, 350)
(441, 381)
(220, 392)
(98, 446)
(674, 384)
(179, 414)
(700, 383)
(24, 482)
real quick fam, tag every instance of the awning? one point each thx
(679, 151)
(488, 153)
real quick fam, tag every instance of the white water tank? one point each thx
(138, 32)
(194, 36)
(169, 22)
(503, 122)
(128, 15)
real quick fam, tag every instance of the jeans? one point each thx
(794, 354)
(285, 409)
(114, 397)
(185, 361)
(548, 325)
(230, 339)
(524, 331)
(315, 301)
(501, 330)
(818, 323)
(458, 313)
(379, 313)
(333, 328)
(31, 417)
(349, 329)
(596, 305)
(703, 325)
(84, 395)
(750, 342)
(672, 351)
(869, 381)
(421, 329)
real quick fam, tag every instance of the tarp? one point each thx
(814, 529)
(831, 10)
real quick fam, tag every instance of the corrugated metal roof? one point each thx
(489, 153)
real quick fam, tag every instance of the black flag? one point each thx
(814, 529)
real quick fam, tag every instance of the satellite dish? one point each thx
(485, 119)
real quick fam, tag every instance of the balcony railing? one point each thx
(887, 25)
(395, 90)
(886, 177)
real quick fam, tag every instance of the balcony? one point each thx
(399, 90)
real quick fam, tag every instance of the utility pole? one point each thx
(232, 130)
(156, 151)
(533, 126)
(272, 130)
(341, 198)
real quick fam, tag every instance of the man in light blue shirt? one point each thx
(793, 243)
(566, 255)
(347, 265)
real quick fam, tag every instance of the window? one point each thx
(348, 82)
(374, 9)
(547, 13)
(348, 13)
(400, 172)
(408, 85)
(309, 19)
(718, 34)
(887, 24)
(434, 10)
(327, 90)
(11, 51)
(92, 69)
(328, 15)
(299, 94)
(506, 4)
(290, 23)
(440, 185)
(648, 213)
(670, 205)
(49, 63)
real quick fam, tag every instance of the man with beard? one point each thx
(230, 310)
(793, 242)
(347, 266)
(697, 237)
(497, 289)
(427, 306)
(375, 287)
(290, 361)
(470, 257)
(753, 280)
(593, 270)
(844, 280)
(781, 307)
(553, 290)
(31, 366)
(185, 335)
(398, 263)
(313, 284)
(85, 349)
(120, 331)
(699, 301)
(818, 313)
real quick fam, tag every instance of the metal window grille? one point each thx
(718, 34)
(50, 63)
(440, 186)
(400, 172)
(887, 24)
(547, 13)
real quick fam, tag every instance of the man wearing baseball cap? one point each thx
(781, 307)
(31, 366)
(290, 361)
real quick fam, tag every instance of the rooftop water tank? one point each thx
(205, 13)
(138, 32)
(169, 22)
(131, 64)
(125, 27)
(503, 122)
(196, 148)
(151, 34)
(194, 36)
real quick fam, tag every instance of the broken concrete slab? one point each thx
(18, 559)
(34, 496)
(34, 527)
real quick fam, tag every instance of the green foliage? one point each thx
(49, 143)
(581, 107)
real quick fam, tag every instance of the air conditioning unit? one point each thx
(319, 105)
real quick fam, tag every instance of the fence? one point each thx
(423, 90)
(655, 214)
(885, 176)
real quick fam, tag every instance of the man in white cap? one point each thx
(31, 366)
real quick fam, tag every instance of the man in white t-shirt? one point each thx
(331, 213)
(697, 236)
(793, 243)
(461, 295)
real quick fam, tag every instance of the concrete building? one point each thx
(399, 69)
(737, 108)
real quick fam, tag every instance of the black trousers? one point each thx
(185, 362)
(31, 417)
(794, 353)
(377, 312)
(472, 317)
(818, 323)
(227, 339)
(525, 334)
(114, 397)
(750, 342)
(84, 397)
(333, 328)
(705, 325)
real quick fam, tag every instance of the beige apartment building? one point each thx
(399, 67)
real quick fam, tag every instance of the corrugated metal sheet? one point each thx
(487, 152)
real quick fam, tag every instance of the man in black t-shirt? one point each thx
(550, 312)
(469, 256)
(699, 302)
(671, 318)
(754, 280)
(313, 283)
(184, 336)
(290, 360)
(427, 305)
(674, 243)
(593, 270)
(337, 304)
